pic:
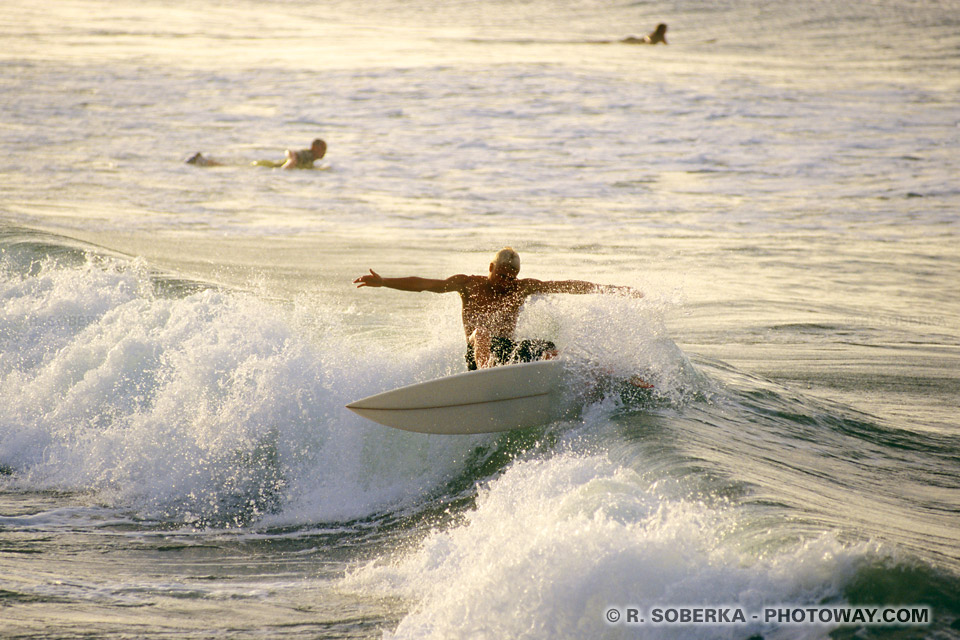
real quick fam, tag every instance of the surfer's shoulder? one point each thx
(531, 286)
(468, 279)
(461, 282)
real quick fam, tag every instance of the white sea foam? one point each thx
(792, 162)
(616, 336)
(594, 535)
(208, 407)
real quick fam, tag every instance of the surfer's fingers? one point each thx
(368, 281)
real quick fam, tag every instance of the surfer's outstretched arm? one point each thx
(578, 286)
(412, 283)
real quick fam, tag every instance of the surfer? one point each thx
(657, 36)
(491, 307)
(302, 159)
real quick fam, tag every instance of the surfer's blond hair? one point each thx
(509, 258)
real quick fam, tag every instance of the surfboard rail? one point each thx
(482, 401)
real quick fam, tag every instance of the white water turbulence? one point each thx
(178, 342)
(602, 536)
(204, 407)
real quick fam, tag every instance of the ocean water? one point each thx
(177, 343)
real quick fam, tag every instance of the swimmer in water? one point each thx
(657, 36)
(302, 159)
(305, 158)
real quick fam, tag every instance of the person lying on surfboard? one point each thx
(491, 307)
(302, 159)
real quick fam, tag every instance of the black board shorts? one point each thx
(507, 351)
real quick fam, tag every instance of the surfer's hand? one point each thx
(372, 280)
(629, 292)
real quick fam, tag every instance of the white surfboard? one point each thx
(482, 401)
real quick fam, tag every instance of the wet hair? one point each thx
(509, 258)
(318, 144)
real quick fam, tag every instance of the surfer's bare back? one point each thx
(491, 306)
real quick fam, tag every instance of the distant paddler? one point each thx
(302, 159)
(491, 307)
(657, 36)
(294, 159)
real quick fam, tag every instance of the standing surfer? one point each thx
(491, 306)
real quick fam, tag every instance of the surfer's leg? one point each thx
(546, 350)
(481, 348)
(530, 350)
(503, 350)
(470, 358)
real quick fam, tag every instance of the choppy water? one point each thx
(177, 343)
